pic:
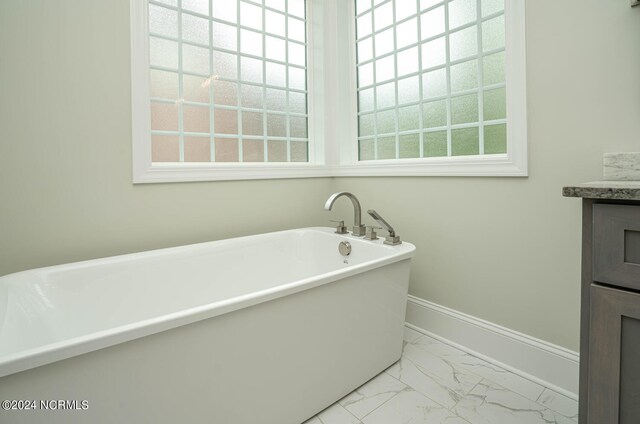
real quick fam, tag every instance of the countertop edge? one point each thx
(612, 190)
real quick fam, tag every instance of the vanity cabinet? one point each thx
(610, 312)
(614, 352)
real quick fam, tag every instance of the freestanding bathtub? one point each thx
(266, 329)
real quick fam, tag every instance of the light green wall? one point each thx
(505, 250)
(508, 249)
(65, 152)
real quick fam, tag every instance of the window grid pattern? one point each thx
(404, 111)
(228, 81)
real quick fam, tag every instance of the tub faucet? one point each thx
(392, 239)
(358, 228)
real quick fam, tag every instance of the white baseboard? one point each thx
(544, 363)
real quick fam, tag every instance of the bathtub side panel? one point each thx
(277, 362)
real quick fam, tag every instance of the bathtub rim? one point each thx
(64, 349)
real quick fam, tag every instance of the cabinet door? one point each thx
(614, 357)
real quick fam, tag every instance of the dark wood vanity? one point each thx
(610, 304)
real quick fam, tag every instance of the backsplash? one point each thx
(621, 166)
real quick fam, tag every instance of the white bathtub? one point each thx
(262, 329)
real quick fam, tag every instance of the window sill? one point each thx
(485, 166)
(460, 166)
(189, 172)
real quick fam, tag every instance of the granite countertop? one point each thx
(615, 190)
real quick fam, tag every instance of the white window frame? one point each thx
(332, 110)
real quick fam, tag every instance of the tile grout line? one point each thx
(537, 400)
(493, 365)
(384, 403)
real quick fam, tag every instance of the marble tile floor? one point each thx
(435, 383)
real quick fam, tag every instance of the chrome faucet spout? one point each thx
(358, 228)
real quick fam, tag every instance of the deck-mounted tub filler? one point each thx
(266, 329)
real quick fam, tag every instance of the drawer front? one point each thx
(616, 245)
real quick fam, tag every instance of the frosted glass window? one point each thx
(297, 8)
(165, 148)
(365, 50)
(250, 16)
(434, 144)
(432, 22)
(225, 36)
(404, 9)
(434, 53)
(296, 29)
(434, 84)
(225, 65)
(435, 114)
(465, 141)
(276, 48)
(228, 80)
(408, 61)
(464, 76)
(195, 59)
(275, 23)
(385, 69)
(409, 90)
(164, 84)
(367, 124)
(365, 75)
(431, 78)
(196, 89)
(163, 21)
(493, 69)
(196, 119)
(386, 122)
(297, 53)
(383, 16)
(409, 118)
(490, 7)
(250, 42)
(276, 74)
(362, 6)
(493, 34)
(226, 93)
(365, 100)
(251, 96)
(462, 12)
(409, 146)
(364, 25)
(225, 10)
(198, 6)
(463, 43)
(407, 33)
(464, 109)
(297, 78)
(197, 149)
(297, 102)
(195, 29)
(384, 42)
(386, 94)
(276, 99)
(163, 53)
(424, 4)
(251, 70)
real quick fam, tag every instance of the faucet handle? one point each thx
(370, 232)
(340, 228)
(392, 239)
